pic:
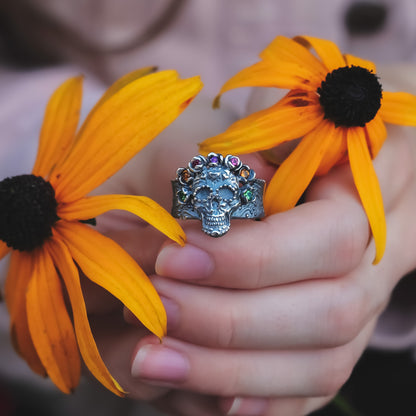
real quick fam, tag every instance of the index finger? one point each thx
(322, 238)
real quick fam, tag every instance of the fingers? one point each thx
(116, 342)
(281, 373)
(309, 314)
(315, 240)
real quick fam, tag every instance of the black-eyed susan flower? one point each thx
(335, 104)
(44, 222)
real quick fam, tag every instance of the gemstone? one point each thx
(196, 162)
(213, 159)
(248, 195)
(234, 161)
(245, 173)
(185, 175)
(182, 196)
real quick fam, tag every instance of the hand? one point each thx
(276, 313)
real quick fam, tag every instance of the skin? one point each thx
(271, 318)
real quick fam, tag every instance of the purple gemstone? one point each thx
(195, 163)
(234, 161)
(213, 159)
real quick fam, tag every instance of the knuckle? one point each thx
(226, 329)
(336, 370)
(345, 314)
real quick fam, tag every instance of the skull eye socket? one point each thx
(226, 193)
(202, 194)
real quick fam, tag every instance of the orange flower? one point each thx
(43, 219)
(335, 104)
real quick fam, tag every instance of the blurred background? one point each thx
(214, 39)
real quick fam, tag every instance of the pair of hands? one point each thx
(270, 318)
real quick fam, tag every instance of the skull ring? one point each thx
(215, 189)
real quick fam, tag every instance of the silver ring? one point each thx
(215, 189)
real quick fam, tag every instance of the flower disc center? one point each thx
(350, 96)
(27, 211)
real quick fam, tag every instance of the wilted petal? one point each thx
(50, 326)
(109, 266)
(86, 342)
(368, 187)
(143, 207)
(59, 125)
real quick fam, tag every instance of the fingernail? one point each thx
(159, 363)
(243, 406)
(185, 263)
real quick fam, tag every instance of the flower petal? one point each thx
(116, 87)
(368, 187)
(108, 265)
(50, 326)
(398, 108)
(125, 122)
(283, 49)
(288, 75)
(296, 172)
(19, 275)
(4, 249)
(363, 63)
(335, 153)
(143, 207)
(289, 119)
(59, 125)
(86, 342)
(376, 135)
(326, 50)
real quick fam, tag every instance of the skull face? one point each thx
(216, 196)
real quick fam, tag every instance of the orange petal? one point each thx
(398, 108)
(287, 120)
(19, 275)
(286, 75)
(296, 172)
(376, 134)
(50, 326)
(108, 265)
(4, 249)
(86, 342)
(368, 187)
(59, 125)
(283, 49)
(326, 50)
(363, 63)
(143, 207)
(335, 153)
(116, 87)
(124, 123)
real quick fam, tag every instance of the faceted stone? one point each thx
(185, 175)
(248, 195)
(245, 173)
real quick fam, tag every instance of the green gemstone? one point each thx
(248, 195)
(182, 196)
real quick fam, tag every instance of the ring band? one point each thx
(215, 189)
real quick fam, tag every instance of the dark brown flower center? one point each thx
(350, 96)
(27, 211)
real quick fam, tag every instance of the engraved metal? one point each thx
(215, 189)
